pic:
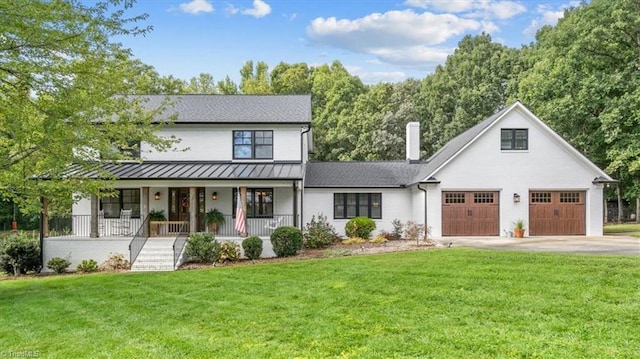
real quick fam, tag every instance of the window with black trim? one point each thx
(127, 198)
(259, 202)
(253, 144)
(349, 205)
(514, 139)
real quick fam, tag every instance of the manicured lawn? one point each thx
(632, 229)
(447, 303)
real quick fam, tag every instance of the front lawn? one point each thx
(446, 303)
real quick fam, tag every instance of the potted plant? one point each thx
(518, 231)
(156, 216)
(214, 218)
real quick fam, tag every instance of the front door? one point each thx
(180, 206)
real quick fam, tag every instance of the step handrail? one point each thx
(138, 241)
(179, 242)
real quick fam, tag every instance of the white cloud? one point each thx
(490, 27)
(486, 9)
(196, 7)
(547, 16)
(395, 29)
(260, 9)
(420, 57)
(231, 10)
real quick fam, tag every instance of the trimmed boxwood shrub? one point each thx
(229, 251)
(19, 254)
(252, 247)
(58, 265)
(202, 248)
(87, 266)
(360, 227)
(286, 241)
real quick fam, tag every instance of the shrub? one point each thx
(380, 238)
(415, 231)
(115, 262)
(360, 227)
(286, 241)
(229, 251)
(354, 240)
(58, 265)
(202, 248)
(319, 233)
(87, 266)
(19, 254)
(252, 247)
(398, 229)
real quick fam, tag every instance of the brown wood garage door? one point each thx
(556, 213)
(470, 214)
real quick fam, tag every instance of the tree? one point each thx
(228, 87)
(255, 80)
(59, 73)
(586, 84)
(291, 79)
(471, 85)
(203, 84)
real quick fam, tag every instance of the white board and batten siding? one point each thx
(549, 163)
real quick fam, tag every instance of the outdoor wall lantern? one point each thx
(157, 196)
(214, 196)
(516, 198)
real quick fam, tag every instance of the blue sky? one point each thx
(377, 40)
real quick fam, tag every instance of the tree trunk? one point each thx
(619, 203)
(638, 210)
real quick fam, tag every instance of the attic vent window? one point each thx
(514, 139)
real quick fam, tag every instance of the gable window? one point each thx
(514, 139)
(253, 145)
(259, 202)
(349, 205)
(125, 199)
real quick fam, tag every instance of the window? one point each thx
(125, 199)
(454, 197)
(514, 139)
(570, 197)
(349, 205)
(252, 144)
(259, 202)
(540, 197)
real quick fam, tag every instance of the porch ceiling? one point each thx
(195, 170)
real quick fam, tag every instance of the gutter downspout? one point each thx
(304, 170)
(426, 227)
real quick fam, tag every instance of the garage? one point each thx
(557, 213)
(470, 214)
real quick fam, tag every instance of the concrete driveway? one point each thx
(568, 244)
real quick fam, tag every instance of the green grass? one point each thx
(632, 229)
(449, 303)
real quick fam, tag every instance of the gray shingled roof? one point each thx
(391, 173)
(362, 174)
(233, 108)
(195, 170)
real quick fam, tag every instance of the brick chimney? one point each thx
(413, 142)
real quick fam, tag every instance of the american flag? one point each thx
(241, 225)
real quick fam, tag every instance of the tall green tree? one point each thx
(586, 84)
(228, 87)
(202, 84)
(255, 80)
(471, 85)
(59, 73)
(291, 78)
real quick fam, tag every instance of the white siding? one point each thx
(215, 143)
(547, 164)
(395, 203)
(76, 250)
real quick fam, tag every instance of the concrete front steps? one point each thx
(155, 256)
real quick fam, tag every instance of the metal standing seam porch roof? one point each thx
(158, 170)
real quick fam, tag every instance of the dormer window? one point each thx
(514, 139)
(256, 145)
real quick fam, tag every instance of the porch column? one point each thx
(295, 204)
(193, 209)
(144, 210)
(93, 231)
